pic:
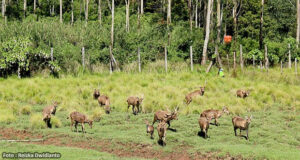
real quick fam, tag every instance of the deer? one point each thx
(77, 117)
(103, 100)
(189, 96)
(107, 109)
(242, 93)
(214, 114)
(204, 125)
(162, 130)
(96, 93)
(242, 124)
(149, 129)
(166, 116)
(135, 102)
(47, 112)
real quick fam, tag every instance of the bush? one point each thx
(26, 110)
(36, 122)
(97, 114)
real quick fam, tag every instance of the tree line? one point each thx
(37, 34)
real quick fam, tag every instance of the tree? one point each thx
(112, 34)
(219, 22)
(34, 6)
(3, 8)
(72, 14)
(25, 8)
(298, 22)
(261, 25)
(127, 14)
(209, 10)
(190, 14)
(169, 20)
(60, 11)
(99, 12)
(142, 7)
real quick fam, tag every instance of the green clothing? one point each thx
(221, 74)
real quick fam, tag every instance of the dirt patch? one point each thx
(116, 148)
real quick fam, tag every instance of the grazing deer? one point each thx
(242, 94)
(162, 130)
(166, 116)
(150, 129)
(77, 117)
(189, 97)
(242, 124)
(103, 100)
(135, 102)
(96, 93)
(47, 111)
(214, 114)
(204, 125)
(107, 109)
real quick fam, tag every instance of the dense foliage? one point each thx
(27, 35)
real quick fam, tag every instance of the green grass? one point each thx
(274, 102)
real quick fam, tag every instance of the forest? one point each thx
(67, 36)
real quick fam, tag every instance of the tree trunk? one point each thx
(25, 8)
(227, 57)
(261, 25)
(296, 71)
(281, 71)
(34, 6)
(109, 6)
(139, 59)
(83, 57)
(219, 22)
(72, 13)
(142, 7)
(234, 14)
(3, 8)
(60, 11)
(204, 54)
(169, 21)
(112, 31)
(234, 60)
(298, 22)
(51, 54)
(166, 59)
(290, 60)
(127, 14)
(87, 12)
(196, 14)
(253, 60)
(266, 58)
(190, 14)
(99, 12)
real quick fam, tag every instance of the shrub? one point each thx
(55, 122)
(97, 114)
(36, 121)
(26, 110)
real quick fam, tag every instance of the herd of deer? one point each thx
(164, 117)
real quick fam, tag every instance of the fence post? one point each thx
(139, 59)
(266, 58)
(83, 60)
(166, 59)
(253, 60)
(191, 57)
(241, 57)
(296, 66)
(290, 60)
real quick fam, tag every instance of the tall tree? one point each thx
(99, 12)
(3, 8)
(142, 7)
(219, 22)
(112, 34)
(196, 14)
(60, 11)
(127, 14)
(209, 10)
(34, 6)
(87, 11)
(169, 20)
(235, 15)
(261, 25)
(25, 8)
(190, 14)
(72, 12)
(298, 22)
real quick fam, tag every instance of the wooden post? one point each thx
(227, 57)
(19, 72)
(266, 58)
(290, 60)
(296, 66)
(139, 59)
(82, 52)
(51, 54)
(261, 66)
(241, 57)
(166, 59)
(191, 57)
(253, 60)
(234, 60)
(110, 62)
(281, 67)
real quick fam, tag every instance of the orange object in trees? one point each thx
(227, 39)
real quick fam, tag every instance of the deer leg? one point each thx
(133, 110)
(82, 127)
(76, 123)
(235, 131)
(154, 120)
(168, 124)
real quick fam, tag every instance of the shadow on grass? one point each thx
(172, 129)
(202, 134)
(161, 143)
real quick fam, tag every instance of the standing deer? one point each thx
(103, 100)
(135, 102)
(162, 130)
(150, 129)
(214, 114)
(242, 94)
(242, 124)
(204, 125)
(166, 116)
(47, 111)
(96, 93)
(77, 117)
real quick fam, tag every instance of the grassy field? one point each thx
(274, 102)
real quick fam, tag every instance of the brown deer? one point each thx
(189, 97)
(214, 114)
(96, 93)
(242, 124)
(162, 130)
(204, 125)
(77, 117)
(135, 102)
(242, 94)
(107, 109)
(47, 111)
(103, 100)
(150, 129)
(166, 116)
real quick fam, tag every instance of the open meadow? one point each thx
(274, 102)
